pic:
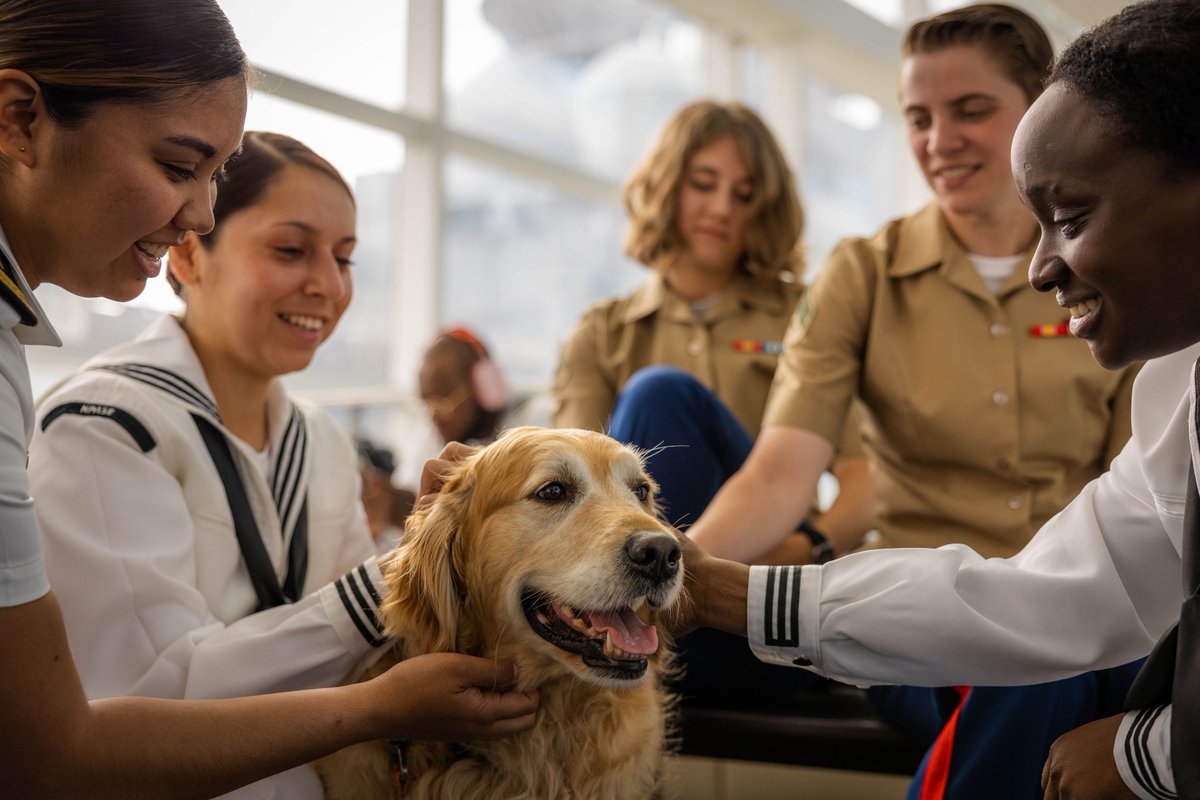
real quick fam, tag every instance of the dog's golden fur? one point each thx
(539, 513)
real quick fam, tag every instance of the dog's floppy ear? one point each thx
(424, 600)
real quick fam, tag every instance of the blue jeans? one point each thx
(693, 445)
(693, 442)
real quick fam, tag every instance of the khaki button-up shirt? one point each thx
(733, 350)
(981, 418)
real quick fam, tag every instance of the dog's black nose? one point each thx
(653, 555)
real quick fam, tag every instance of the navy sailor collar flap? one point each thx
(290, 468)
(172, 368)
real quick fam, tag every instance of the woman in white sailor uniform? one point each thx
(246, 565)
(114, 120)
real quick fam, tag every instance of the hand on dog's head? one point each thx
(544, 547)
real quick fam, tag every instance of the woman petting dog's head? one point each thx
(546, 548)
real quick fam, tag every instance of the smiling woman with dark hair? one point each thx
(1105, 160)
(115, 120)
(246, 565)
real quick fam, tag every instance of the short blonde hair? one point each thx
(651, 195)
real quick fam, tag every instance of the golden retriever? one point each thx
(543, 548)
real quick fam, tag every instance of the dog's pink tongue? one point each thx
(626, 630)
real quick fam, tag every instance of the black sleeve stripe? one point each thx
(359, 615)
(781, 607)
(353, 612)
(366, 579)
(363, 603)
(123, 418)
(1137, 753)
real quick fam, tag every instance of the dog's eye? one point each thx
(642, 491)
(553, 492)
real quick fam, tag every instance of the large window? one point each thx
(580, 82)
(522, 260)
(353, 47)
(853, 167)
(487, 141)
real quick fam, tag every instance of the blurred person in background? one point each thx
(387, 506)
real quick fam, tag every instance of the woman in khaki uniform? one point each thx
(714, 214)
(982, 416)
(682, 367)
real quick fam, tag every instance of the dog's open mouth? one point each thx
(614, 642)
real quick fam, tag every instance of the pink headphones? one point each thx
(491, 392)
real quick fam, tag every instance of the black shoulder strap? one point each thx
(298, 556)
(143, 437)
(258, 563)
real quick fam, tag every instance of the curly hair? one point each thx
(1011, 36)
(1141, 71)
(651, 195)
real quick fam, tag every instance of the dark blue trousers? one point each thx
(1003, 734)
(694, 444)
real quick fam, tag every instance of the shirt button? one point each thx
(1000, 397)
(1014, 503)
(695, 347)
(998, 329)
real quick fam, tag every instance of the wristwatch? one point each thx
(822, 549)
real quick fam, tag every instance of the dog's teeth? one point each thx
(612, 651)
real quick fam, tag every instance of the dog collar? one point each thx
(398, 767)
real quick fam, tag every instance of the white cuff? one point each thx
(1143, 753)
(780, 614)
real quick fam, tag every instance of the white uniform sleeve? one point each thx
(1143, 753)
(22, 575)
(120, 552)
(1086, 593)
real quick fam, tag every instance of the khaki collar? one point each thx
(924, 242)
(654, 296)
